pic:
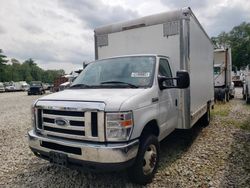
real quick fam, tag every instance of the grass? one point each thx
(221, 109)
(245, 125)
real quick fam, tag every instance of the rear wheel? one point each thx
(248, 100)
(206, 117)
(227, 96)
(247, 96)
(144, 168)
(244, 96)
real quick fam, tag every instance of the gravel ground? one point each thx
(215, 156)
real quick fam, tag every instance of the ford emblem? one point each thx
(61, 122)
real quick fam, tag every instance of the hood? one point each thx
(113, 98)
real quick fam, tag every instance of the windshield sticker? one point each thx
(140, 74)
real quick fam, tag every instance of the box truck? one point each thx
(151, 75)
(246, 85)
(223, 85)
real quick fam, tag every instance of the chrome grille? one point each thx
(80, 125)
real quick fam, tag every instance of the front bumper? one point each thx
(34, 92)
(94, 154)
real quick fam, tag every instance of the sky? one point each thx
(59, 34)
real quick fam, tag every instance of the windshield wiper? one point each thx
(119, 82)
(80, 86)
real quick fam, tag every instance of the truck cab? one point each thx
(101, 118)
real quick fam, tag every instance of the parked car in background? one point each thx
(65, 81)
(57, 82)
(36, 88)
(24, 86)
(9, 86)
(238, 82)
(2, 89)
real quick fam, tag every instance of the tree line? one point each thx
(26, 71)
(239, 41)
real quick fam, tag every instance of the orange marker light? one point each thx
(126, 123)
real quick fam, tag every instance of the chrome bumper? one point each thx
(91, 152)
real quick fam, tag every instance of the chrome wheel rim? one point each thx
(149, 160)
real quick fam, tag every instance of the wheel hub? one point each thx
(150, 157)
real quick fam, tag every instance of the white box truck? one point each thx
(246, 85)
(224, 87)
(123, 104)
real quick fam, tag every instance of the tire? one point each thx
(244, 97)
(206, 117)
(247, 96)
(248, 100)
(223, 97)
(227, 97)
(146, 163)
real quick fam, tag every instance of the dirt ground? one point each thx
(213, 156)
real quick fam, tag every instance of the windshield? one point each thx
(121, 72)
(216, 70)
(35, 84)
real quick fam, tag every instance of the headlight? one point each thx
(119, 126)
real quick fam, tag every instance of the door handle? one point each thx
(156, 99)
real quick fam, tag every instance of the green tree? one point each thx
(239, 41)
(26, 71)
(16, 72)
(3, 62)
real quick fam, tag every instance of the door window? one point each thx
(164, 70)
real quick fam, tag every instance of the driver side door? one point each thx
(168, 111)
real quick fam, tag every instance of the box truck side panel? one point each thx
(201, 70)
(219, 62)
(143, 40)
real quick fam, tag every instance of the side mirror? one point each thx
(161, 80)
(84, 65)
(183, 80)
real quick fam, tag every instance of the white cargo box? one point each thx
(176, 34)
(223, 67)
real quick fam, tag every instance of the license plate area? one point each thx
(57, 158)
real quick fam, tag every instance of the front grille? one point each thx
(34, 89)
(80, 125)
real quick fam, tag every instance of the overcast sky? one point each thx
(58, 34)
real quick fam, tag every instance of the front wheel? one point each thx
(144, 168)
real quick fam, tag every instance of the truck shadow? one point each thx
(177, 143)
(42, 174)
